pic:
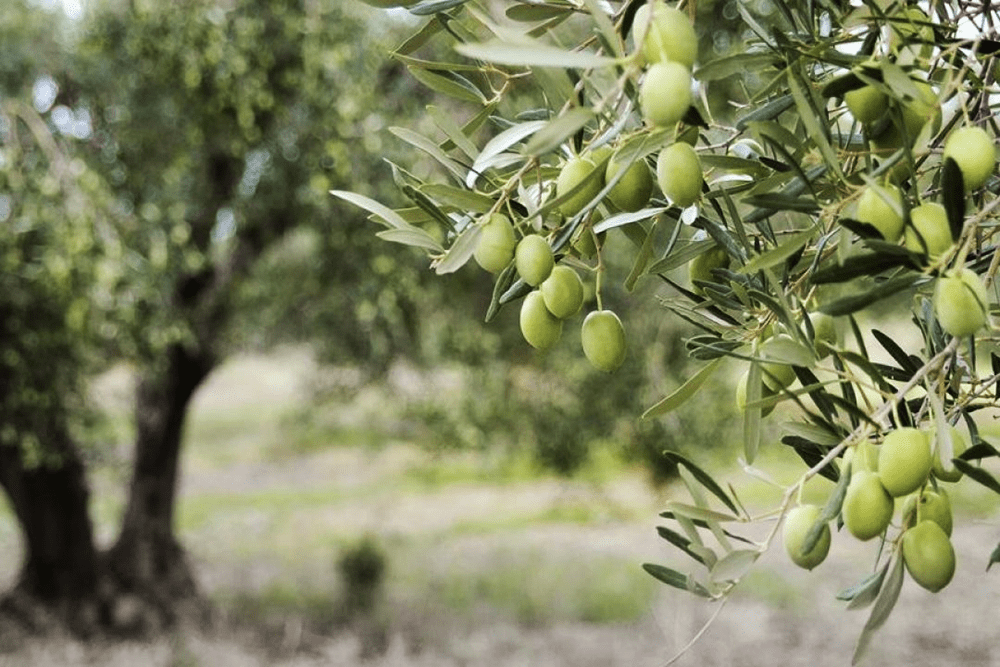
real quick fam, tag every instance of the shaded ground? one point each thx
(489, 563)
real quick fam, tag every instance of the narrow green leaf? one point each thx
(721, 68)
(778, 255)
(734, 565)
(412, 237)
(604, 25)
(461, 199)
(451, 85)
(675, 579)
(431, 148)
(683, 393)
(906, 363)
(779, 202)
(829, 512)
(456, 137)
(533, 54)
(810, 117)
(703, 478)
(622, 219)
(531, 13)
(864, 592)
(994, 558)
(460, 251)
(679, 541)
(856, 302)
(428, 7)
(752, 414)
(699, 513)
(880, 612)
(558, 130)
(389, 217)
(767, 112)
(501, 143)
(953, 196)
(981, 475)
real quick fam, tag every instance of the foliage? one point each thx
(54, 248)
(546, 84)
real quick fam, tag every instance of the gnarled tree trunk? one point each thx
(147, 561)
(61, 571)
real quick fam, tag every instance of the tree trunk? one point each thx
(147, 561)
(61, 568)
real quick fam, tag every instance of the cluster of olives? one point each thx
(960, 299)
(668, 43)
(558, 295)
(903, 466)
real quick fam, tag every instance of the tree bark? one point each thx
(147, 560)
(61, 569)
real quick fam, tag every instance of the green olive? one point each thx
(929, 556)
(960, 302)
(973, 151)
(880, 214)
(868, 507)
(603, 339)
(538, 326)
(666, 35)
(904, 460)
(533, 259)
(678, 173)
(576, 171)
(495, 248)
(798, 522)
(929, 231)
(665, 93)
(562, 292)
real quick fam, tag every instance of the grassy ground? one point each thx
(488, 562)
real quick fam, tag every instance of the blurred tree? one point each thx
(166, 151)
(220, 127)
(57, 268)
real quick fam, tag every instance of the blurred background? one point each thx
(240, 429)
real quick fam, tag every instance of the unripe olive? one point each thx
(776, 375)
(867, 508)
(700, 268)
(633, 189)
(797, 524)
(929, 230)
(933, 506)
(667, 35)
(574, 172)
(678, 173)
(878, 213)
(495, 248)
(960, 302)
(973, 150)
(665, 93)
(603, 339)
(867, 104)
(904, 460)
(958, 445)
(538, 326)
(929, 556)
(533, 259)
(562, 292)
(824, 333)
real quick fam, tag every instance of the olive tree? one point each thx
(173, 148)
(838, 200)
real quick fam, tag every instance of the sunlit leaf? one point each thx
(884, 604)
(734, 565)
(533, 54)
(682, 393)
